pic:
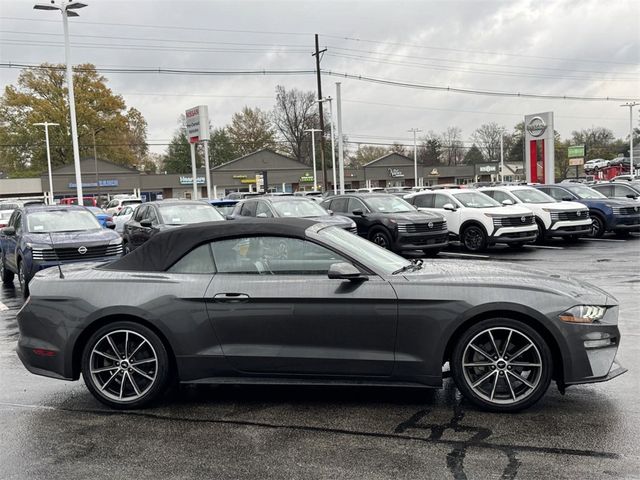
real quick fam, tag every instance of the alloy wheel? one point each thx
(123, 365)
(597, 227)
(473, 239)
(380, 239)
(502, 365)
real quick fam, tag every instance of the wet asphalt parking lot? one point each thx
(51, 429)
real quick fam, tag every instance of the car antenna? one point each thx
(56, 254)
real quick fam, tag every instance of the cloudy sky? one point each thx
(585, 48)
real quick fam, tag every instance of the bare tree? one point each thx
(453, 146)
(399, 148)
(430, 150)
(251, 130)
(487, 137)
(295, 111)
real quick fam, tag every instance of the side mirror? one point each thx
(345, 271)
(358, 212)
(449, 206)
(507, 201)
(9, 231)
(229, 217)
(261, 215)
(146, 223)
(631, 195)
(567, 199)
(110, 225)
(330, 212)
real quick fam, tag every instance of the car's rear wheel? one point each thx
(125, 365)
(502, 365)
(597, 226)
(22, 279)
(380, 238)
(6, 275)
(473, 238)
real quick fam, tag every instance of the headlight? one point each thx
(40, 246)
(115, 241)
(583, 314)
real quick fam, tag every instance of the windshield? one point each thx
(357, 247)
(475, 200)
(299, 208)
(390, 204)
(584, 192)
(531, 195)
(188, 213)
(61, 221)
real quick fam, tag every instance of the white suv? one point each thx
(476, 219)
(117, 204)
(569, 220)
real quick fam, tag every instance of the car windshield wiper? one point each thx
(416, 264)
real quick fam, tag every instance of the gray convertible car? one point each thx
(292, 301)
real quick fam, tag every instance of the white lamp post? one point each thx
(46, 126)
(630, 105)
(313, 150)
(333, 147)
(415, 155)
(67, 9)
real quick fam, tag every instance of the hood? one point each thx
(610, 202)
(506, 210)
(413, 216)
(61, 239)
(482, 275)
(338, 220)
(561, 206)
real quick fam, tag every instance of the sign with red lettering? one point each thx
(197, 120)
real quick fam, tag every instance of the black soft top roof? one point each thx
(165, 248)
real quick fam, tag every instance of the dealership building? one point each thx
(279, 172)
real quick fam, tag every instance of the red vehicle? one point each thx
(86, 201)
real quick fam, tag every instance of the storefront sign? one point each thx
(101, 183)
(576, 162)
(189, 180)
(395, 172)
(487, 169)
(306, 178)
(248, 180)
(434, 171)
(239, 177)
(576, 151)
(197, 121)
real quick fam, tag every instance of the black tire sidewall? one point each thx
(164, 366)
(483, 244)
(541, 344)
(602, 231)
(387, 238)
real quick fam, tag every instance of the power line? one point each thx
(362, 78)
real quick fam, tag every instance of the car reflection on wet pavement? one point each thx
(53, 429)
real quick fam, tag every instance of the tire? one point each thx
(474, 238)
(506, 387)
(541, 231)
(125, 382)
(24, 284)
(597, 226)
(433, 252)
(380, 238)
(6, 275)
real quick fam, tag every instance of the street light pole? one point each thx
(630, 105)
(333, 147)
(313, 150)
(501, 157)
(46, 136)
(415, 156)
(67, 9)
(340, 140)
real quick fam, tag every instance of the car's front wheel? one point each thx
(381, 238)
(473, 238)
(597, 226)
(125, 365)
(502, 365)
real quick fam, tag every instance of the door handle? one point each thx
(231, 297)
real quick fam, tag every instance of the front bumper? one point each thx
(626, 223)
(421, 241)
(563, 228)
(514, 235)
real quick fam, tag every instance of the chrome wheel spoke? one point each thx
(146, 360)
(481, 352)
(495, 383)
(140, 372)
(126, 341)
(524, 364)
(104, 369)
(523, 380)
(484, 378)
(513, 395)
(521, 351)
(135, 350)
(104, 385)
(122, 384)
(106, 355)
(113, 346)
(477, 364)
(133, 384)
(506, 344)
(493, 343)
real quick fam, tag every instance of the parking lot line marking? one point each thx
(3, 307)
(546, 247)
(471, 255)
(603, 240)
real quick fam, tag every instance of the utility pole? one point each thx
(630, 105)
(340, 141)
(322, 162)
(46, 126)
(415, 156)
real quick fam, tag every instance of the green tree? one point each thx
(430, 151)
(473, 156)
(40, 95)
(251, 130)
(514, 144)
(600, 142)
(221, 148)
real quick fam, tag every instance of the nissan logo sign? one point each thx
(523, 219)
(430, 224)
(82, 250)
(579, 213)
(536, 127)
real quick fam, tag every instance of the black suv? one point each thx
(390, 222)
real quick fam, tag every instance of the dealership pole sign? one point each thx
(197, 123)
(539, 136)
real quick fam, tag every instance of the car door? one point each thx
(263, 210)
(606, 190)
(133, 227)
(558, 193)
(10, 242)
(364, 221)
(453, 218)
(150, 215)
(275, 311)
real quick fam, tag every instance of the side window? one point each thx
(248, 209)
(441, 200)
(491, 193)
(606, 190)
(272, 256)
(423, 201)
(499, 196)
(339, 205)
(356, 204)
(151, 215)
(139, 213)
(621, 191)
(17, 223)
(198, 260)
(263, 208)
(112, 203)
(556, 193)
